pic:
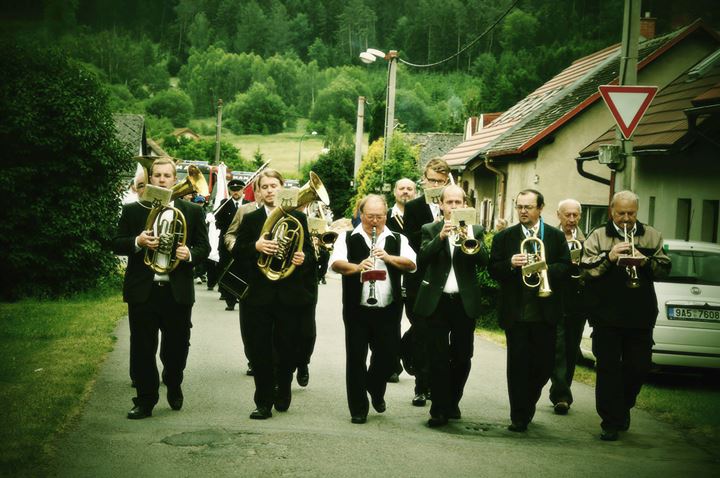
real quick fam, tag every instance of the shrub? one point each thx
(173, 104)
(335, 169)
(63, 174)
(257, 111)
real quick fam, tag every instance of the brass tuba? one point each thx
(536, 266)
(169, 225)
(280, 226)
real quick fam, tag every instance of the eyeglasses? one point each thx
(439, 182)
(374, 217)
(525, 208)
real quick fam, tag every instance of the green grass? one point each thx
(51, 351)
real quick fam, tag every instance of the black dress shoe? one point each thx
(454, 413)
(175, 398)
(517, 427)
(250, 372)
(608, 435)
(358, 419)
(379, 405)
(394, 378)
(230, 307)
(437, 421)
(625, 425)
(282, 400)
(561, 408)
(138, 412)
(133, 384)
(261, 413)
(419, 400)
(303, 375)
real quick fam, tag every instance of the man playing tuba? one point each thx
(273, 310)
(159, 301)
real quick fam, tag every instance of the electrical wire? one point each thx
(473, 42)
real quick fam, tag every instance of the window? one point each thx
(694, 267)
(682, 221)
(709, 231)
(651, 211)
(592, 217)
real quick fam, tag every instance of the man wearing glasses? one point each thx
(419, 212)
(528, 319)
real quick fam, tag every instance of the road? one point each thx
(213, 436)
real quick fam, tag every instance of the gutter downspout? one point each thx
(502, 180)
(579, 161)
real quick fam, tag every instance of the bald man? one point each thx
(404, 192)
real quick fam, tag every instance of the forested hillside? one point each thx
(273, 61)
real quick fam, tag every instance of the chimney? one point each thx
(647, 27)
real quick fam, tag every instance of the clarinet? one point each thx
(372, 300)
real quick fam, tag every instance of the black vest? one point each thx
(358, 251)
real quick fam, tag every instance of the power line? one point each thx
(473, 42)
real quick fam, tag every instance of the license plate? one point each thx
(693, 313)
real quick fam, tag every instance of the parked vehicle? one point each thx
(687, 332)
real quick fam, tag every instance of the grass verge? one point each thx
(51, 351)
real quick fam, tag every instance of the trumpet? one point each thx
(536, 266)
(630, 262)
(575, 252)
(465, 239)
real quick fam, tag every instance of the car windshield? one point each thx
(694, 267)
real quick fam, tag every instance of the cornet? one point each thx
(465, 239)
(630, 261)
(575, 252)
(536, 266)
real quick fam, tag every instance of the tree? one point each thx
(58, 130)
(174, 104)
(338, 100)
(335, 169)
(257, 111)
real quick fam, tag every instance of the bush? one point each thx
(173, 104)
(64, 174)
(257, 111)
(335, 169)
(489, 291)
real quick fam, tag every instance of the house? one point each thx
(186, 133)
(130, 130)
(537, 142)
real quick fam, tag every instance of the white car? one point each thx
(687, 332)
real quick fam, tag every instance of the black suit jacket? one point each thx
(392, 223)
(225, 215)
(435, 258)
(417, 214)
(138, 276)
(505, 244)
(300, 288)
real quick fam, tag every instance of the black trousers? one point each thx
(373, 328)
(530, 356)
(624, 358)
(418, 340)
(225, 258)
(451, 334)
(271, 332)
(567, 350)
(306, 338)
(159, 314)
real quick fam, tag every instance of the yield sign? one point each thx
(627, 104)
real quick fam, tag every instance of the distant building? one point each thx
(186, 133)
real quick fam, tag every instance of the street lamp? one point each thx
(314, 133)
(369, 56)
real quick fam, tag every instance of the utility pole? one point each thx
(359, 137)
(218, 127)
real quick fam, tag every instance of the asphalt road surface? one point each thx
(213, 436)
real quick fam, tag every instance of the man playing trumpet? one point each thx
(623, 314)
(527, 316)
(449, 301)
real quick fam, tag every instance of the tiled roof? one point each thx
(665, 123)
(433, 145)
(130, 131)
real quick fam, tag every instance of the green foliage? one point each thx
(158, 127)
(257, 111)
(374, 172)
(415, 114)
(338, 101)
(335, 169)
(258, 158)
(59, 133)
(204, 150)
(173, 104)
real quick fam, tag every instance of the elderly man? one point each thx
(370, 308)
(404, 192)
(449, 297)
(527, 317)
(622, 260)
(570, 326)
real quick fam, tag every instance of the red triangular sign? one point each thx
(627, 104)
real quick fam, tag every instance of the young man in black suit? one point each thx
(273, 311)
(449, 297)
(370, 324)
(528, 320)
(223, 218)
(159, 302)
(418, 213)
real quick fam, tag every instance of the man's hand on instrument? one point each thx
(380, 254)
(366, 265)
(146, 239)
(298, 258)
(182, 253)
(519, 260)
(619, 249)
(266, 246)
(446, 230)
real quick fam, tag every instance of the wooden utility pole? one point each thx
(218, 127)
(359, 137)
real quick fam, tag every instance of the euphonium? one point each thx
(280, 226)
(168, 224)
(536, 266)
(465, 239)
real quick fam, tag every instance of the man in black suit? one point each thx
(273, 309)
(449, 297)
(528, 320)
(418, 213)
(159, 302)
(370, 324)
(223, 218)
